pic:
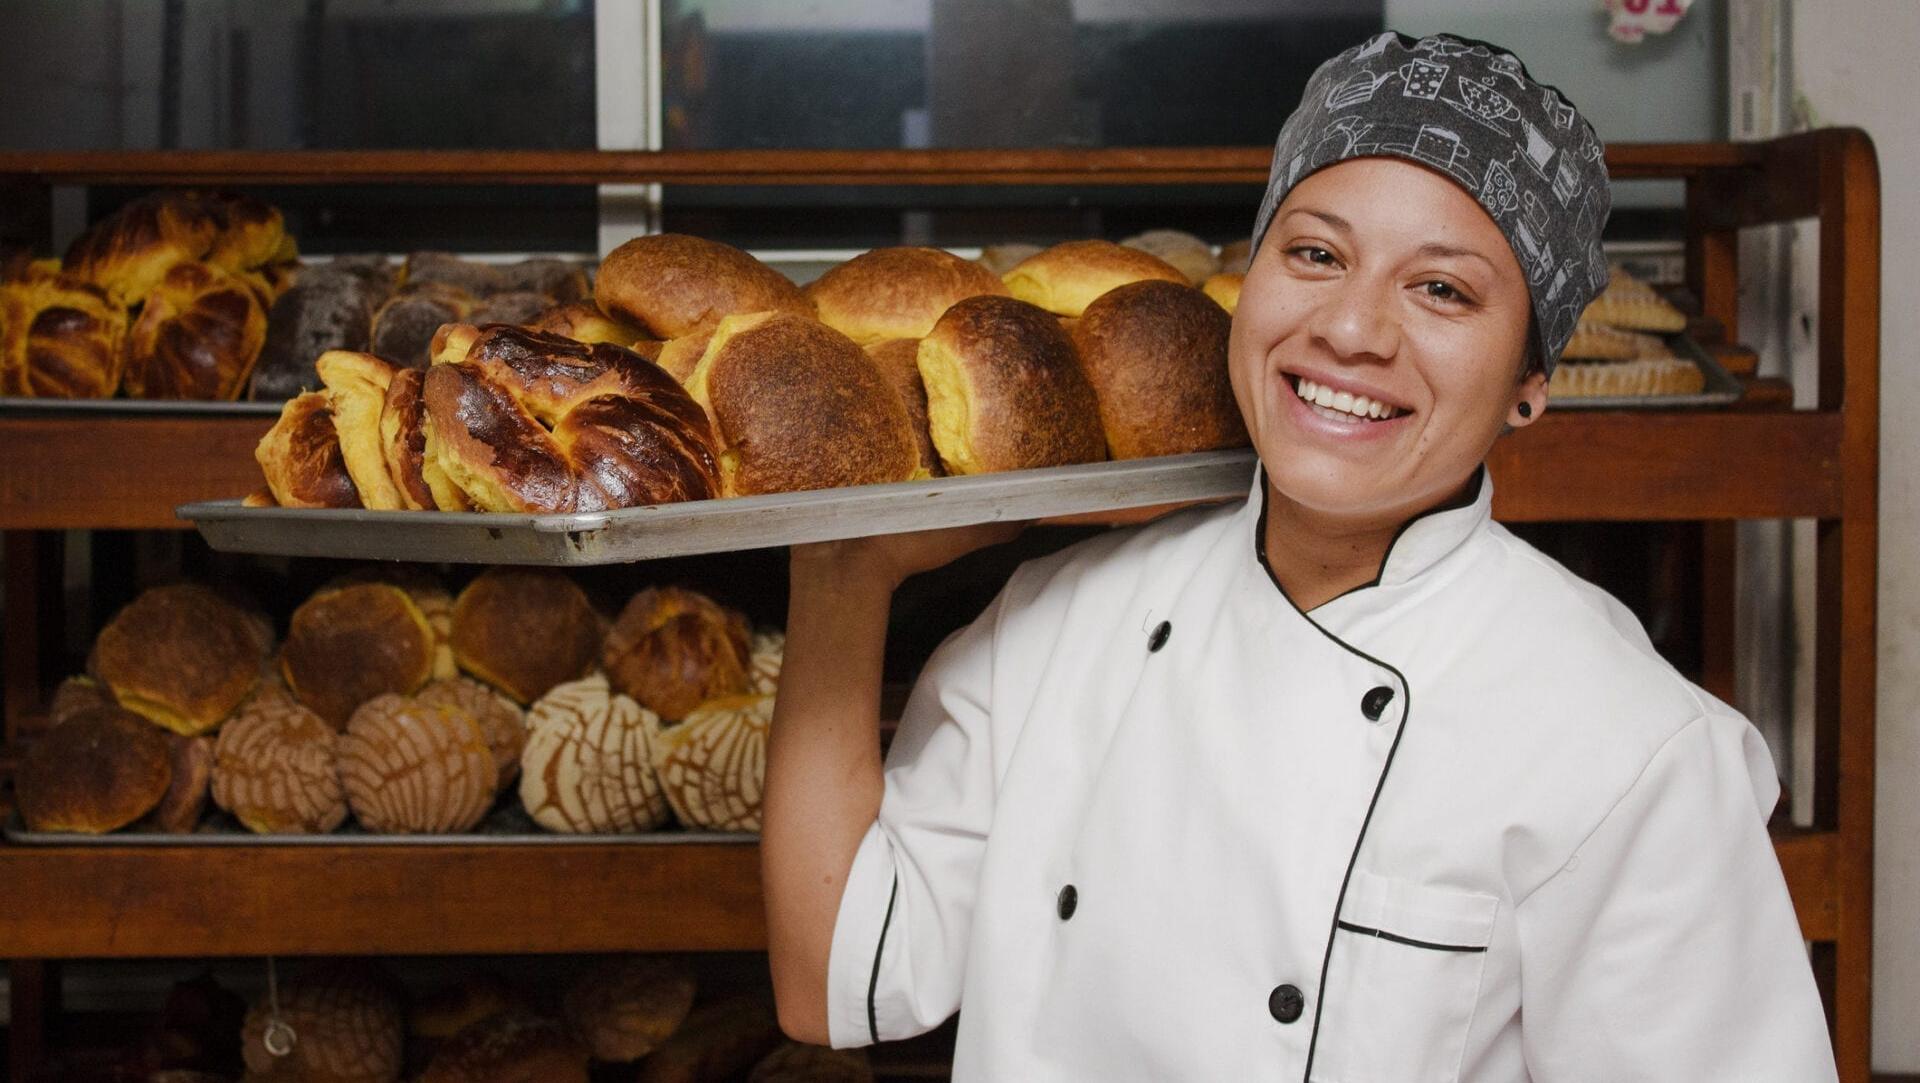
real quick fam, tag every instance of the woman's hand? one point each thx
(889, 559)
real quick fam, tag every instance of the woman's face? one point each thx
(1384, 294)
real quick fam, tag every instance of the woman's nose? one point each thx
(1358, 320)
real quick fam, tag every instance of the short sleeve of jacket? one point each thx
(1667, 947)
(900, 940)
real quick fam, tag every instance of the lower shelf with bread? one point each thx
(507, 825)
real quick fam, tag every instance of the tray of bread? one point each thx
(1630, 350)
(702, 401)
(394, 711)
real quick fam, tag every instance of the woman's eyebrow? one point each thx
(1434, 250)
(1328, 217)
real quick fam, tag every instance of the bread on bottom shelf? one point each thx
(339, 1023)
(101, 770)
(672, 649)
(714, 763)
(415, 768)
(588, 763)
(274, 768)
(624, 1007)
(509, 1047)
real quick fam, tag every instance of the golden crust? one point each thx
(346, 646)
(179, 655)
(198, 336)
(130, 251)
(899, 361)
(301, 457)
(60, 338)
(403, 440)
(410, 767)
(1224, 288)
(896, 292)
(1068, 277)
(356, 390)
(582, 321)
(671, 284)
(797, 405)
(274, 769)
(525, 630)
(102, 770)
(1156, 354)
(672, 649)
(1183, 251)
(1005, 392)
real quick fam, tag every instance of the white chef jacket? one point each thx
(1145, 819)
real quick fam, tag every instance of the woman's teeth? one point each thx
(1343, 405)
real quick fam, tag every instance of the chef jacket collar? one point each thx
(1421, 542)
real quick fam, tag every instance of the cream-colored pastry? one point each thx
(588, 766)
(713, 764)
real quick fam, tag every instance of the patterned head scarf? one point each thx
(1471, 111)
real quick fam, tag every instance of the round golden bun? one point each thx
(797, 405)
(672, 649)
(670, 284)
(1004, 390)
(1068, 277)
(102, 769)
(346, 646)
(1001, 258)
(899, 360)
(1189, 254)
(1156, 354)
(1224, 288)
(623, 1007)
(525, 630)
(896, 292)
(180, 656)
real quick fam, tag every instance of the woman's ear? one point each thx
(1531, 401)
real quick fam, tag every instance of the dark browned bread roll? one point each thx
(510, 306)
(179, 809)
(76, 694)
(102, 770)
(60, 338)
(1004, 390)
(796, 405)
(1066, 278)
(899, 360)
(332, 310)
(625, 1006)
(346, 646)
(404, 326)
(561, 280)
(301, 457)
(1156, 354)
(179, 655)
(472, 277)
(524, 630)
(896, 292)
(718, 1041)
(672, 649)
(670, 285)
(198, 336)
(403, 442)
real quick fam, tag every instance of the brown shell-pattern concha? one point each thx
(411, 767)
(274, 769)
(588, 765)
(341, 1024)
(501, 720)
(712, 764)
(769, 650)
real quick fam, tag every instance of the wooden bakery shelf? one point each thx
(1758, 460)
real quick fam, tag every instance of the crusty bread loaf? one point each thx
(60, 338)
(1066, 278)
(623, 1007)
(1181, 250)
(588, 763)
(197, 337)
(356, 390)
(179, 655)
(510, 1047)
(1004, 390)
(404, 325)
(301, 458)
(582, 321)
(524, 630)
(899, 360)
(416, 476)
(713, 764)
(128, 252)
(324, 310)
(1156, 354)
(1224, 288)
(347, 1026)
(796, 405)
(347, 645)
(501, 721)
(103, 769)
(274, 768)
(427, 593)
(672, 649)
(671, 284)
(410, 767)
(896, 292)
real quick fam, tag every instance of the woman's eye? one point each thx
(1314, 255)
(1442, 291)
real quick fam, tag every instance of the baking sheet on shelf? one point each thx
(1721, 387)
(506, 825)
(710, 526)
(11, 406)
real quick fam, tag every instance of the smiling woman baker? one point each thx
(1345, 783)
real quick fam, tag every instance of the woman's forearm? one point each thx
(823, 782)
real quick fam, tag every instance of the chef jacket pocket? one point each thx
(1402, 982)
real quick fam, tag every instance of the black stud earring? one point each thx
(1526, 409)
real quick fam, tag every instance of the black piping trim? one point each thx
(1471, 494)
(873, 980)
(1406, 716)
(1407, 940)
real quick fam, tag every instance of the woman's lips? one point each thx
(1341, 413)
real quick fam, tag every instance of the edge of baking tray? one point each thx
(710, 526)
(16, 833)
(1721, 389)
(13, 406)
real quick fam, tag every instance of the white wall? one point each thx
(1852, 65)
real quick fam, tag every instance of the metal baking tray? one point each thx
(712, 526)
(11, 406)
(1721, 388)
(506, 825)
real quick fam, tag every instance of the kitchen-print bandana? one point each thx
(1471, 111)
